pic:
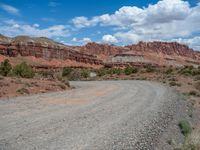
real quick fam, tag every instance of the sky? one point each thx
(119, 22)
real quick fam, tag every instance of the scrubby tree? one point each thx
(85, 73)
(66, 71)
(23, 70)
(5, 67)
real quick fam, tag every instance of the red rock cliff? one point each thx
(42, 48)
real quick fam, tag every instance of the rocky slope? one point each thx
(94, 54)
(102, 50)
(162, 53)
(43, 48)
(166, 48)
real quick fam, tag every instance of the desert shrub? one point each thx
(196, 72)
(185, 127)
(129, 70)
(169, 71)
(5, 67)
(101, 72)
(23, 91)
(193, 93)
(85, 73)
(172, 79)
(23, 70)
(66, 71)
(75, 75)
(47, 74)
(189, 70)
(150, 69)
(117, 71)
(172, 83)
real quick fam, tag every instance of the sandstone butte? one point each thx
(42, 52)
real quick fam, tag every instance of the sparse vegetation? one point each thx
(23, 70)
(23, 91)
(130, 70)
(150, 69)
(85, 73)
(185, 127)
(66, 71)
(5, 68)
(172, 83)
(193, 93)
(169, 71)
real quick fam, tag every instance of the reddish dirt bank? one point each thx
(11, 87)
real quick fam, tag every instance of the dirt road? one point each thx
(97, 115)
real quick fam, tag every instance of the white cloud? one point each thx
(36, 25)
(86, 40)
(81, 22)
(13, 28)
(109, 39)
(165, 20)
(193, 42)
(164, 11)
(81, 41)
(9, 9)
(74, 39)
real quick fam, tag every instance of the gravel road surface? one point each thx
(96, 115)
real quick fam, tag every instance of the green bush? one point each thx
(117, 71)
(47, 74)
(172, 83)
(185, 127)
(150, 69)
(85, 73)
(129, 70)
(66, 71)
(169, 71)
(23, 70)
(193, 93)
(101, 72)
(75, 75)
(189, 70)
(5, 67)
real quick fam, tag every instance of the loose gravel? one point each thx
(97, 115)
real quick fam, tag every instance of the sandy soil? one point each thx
(10, 86)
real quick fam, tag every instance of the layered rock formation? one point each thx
(43, 48)
(94, 54)
(166, 48)
(102, 49)
(161, 53)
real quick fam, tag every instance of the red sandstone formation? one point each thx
(155, 52)
(43, 48)
(166, 48)
(93, 54)
(102, 49)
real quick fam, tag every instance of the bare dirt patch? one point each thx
(11, 87)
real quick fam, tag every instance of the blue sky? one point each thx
(117, 22)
